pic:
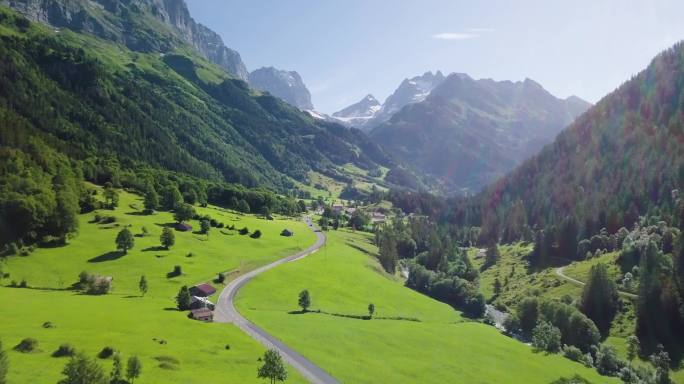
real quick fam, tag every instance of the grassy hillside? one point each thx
(123, 319)
(93, 98)
(343, 278)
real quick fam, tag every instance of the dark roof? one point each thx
(202, 290)
(185, 227)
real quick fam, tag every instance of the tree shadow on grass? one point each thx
(155, 249)
(138, 213)
(109, 256)
(171, 309)
(165, 225)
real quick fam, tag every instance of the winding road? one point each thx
(560, 272)
(225, 312)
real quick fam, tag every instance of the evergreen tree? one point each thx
(83, 370)
(125, 240)
(600, 298)
(205, 226)
(111, 196)
(183, 299)
(243, 206)
(273, 368)
(497, 287)
(492, 256)
(371, 310)
(633, 347)
(304, 300)
(142, 285)
(167, 238)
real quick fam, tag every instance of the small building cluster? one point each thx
(200, 306)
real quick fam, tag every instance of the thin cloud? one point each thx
(455, 36)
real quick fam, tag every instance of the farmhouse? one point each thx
(198, 302)
(202, 314)
(337, 207)
(202, 290)
(378, 217)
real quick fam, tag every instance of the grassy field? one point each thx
(123, 319)
(343, 279)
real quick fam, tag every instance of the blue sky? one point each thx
(345, 49)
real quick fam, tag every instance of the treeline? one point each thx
(436, 266)
(42, 192)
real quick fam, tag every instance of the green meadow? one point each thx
(173, 348)
(343, 278)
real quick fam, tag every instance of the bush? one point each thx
(546, 337)
(64, 350)
(244, 231)
(27, 345)
(573, 353)
(106, 353)
(23, 284)
(256, 234)
(48, 325)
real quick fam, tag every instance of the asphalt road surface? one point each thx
(225, 312)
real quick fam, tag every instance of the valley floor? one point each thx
(343, 278)
(173, 348)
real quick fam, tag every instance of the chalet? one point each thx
(350, 211)
(337, 208)
(287, 233)
(202, 314)
(202, 290)
(183, 227)
(378, 217)
(198, 302)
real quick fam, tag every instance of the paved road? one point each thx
(560, 273)
(225, 312)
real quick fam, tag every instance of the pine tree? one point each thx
(142, 285)
(304, 300)
(183, 299)
(600, 298)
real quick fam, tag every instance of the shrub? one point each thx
(64, 350)
(23, 284)
(106, 353)
(256, 234)
(244, 231)
(546, 337)
(48, 325)
(220, 278)
(27, 345)
(573, 353)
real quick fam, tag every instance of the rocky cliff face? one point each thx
(287, 85)
(469, 132)
(142, 25)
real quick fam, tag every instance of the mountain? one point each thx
(467, 132)
(97, 101)
(410, 91)
(358, 114)
(622, 159)
(287, 85)
(140, 25)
